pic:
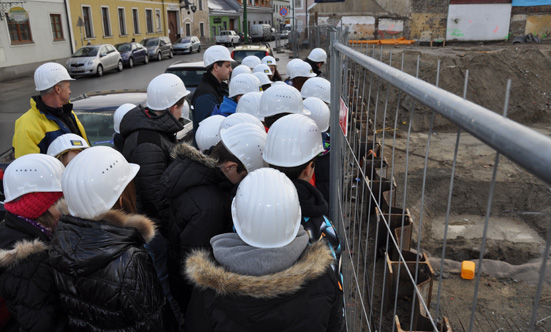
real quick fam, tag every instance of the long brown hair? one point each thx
(127, 203)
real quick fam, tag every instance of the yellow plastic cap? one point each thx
(467, 270)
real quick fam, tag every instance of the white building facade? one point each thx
(43, 36)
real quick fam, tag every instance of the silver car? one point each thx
(187, 45)
(94, 60)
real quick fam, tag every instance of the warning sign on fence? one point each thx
(343, 117)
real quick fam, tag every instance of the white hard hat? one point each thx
(263, 78)
(216, 53)
(32, 173)
(237, 118)
(251, 61)
(245, 141)
(261, 68)
(319, 112)
(94, 180)
(164, 91)
(317, 55)
(208, 133)
(291, 65)
(241, 69)
(249, 103)
(50, 74)
(301, 69)
(281, 98)
(317, 87)
(244, 83)
(119, 114)
(266, 210)
(66, 142)
(292, 141)
(269, 60)
(185, 110)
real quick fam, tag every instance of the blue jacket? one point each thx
(227, 107)
(208, 94)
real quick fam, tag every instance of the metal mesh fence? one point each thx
(407, 199)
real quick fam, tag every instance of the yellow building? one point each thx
(118, 21)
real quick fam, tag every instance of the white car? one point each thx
(94, 60)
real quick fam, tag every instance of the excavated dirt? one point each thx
(520, 212)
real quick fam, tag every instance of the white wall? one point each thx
(43, 48)
(478, 22)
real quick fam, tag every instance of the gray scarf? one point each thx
(239, 257)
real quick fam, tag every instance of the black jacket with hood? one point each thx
(148, 140)
(26, 277)
(200, 203)
(106, 279)
(301, 298)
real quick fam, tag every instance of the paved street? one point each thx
(15, 94)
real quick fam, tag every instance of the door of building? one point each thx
(172, 26)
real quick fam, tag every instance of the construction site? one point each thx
(420, 191)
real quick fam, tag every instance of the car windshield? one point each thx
(184, 40)
(86, 52)
(99, 126)
(150, 42)
(241, 54)
(190, 76)
(123, 47)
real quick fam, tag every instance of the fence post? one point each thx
(335, 174)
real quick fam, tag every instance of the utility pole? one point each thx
(245, 25)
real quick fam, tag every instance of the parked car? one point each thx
(262, 32)
(187, 45)
(158, 47)
(227, 37)
(260, 50)
(132, 53)
(94, 60)
(191, 73)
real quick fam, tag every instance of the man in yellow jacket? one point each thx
(51, 114)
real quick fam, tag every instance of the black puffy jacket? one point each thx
(200, 203)
(148, 140)
(106, 279)
(302, 298)
(26, 280)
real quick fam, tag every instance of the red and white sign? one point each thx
(343, 117)
(283, 11)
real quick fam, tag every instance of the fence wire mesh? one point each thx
(424, 180)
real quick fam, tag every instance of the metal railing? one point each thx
(391, 199)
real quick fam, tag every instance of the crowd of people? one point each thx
(225, 232)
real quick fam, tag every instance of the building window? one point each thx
(202, 29)
(188, 29)
(87, 18)
(136, 20)
(200, 4)
(122, 22)
(57, 30)
(19, 32)
(149, 20)
(298, 3)
(158, 19)
(225, 25)
(106, 21)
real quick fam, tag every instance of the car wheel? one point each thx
(146, 59)
(99, 71)
(171, 55)
(231, 44)
(130, 62)
(199, 49)
(159, 56)
(120, 67)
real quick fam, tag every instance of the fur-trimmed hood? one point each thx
(205, 273)
(191, 168)
(187, 151)
(82, 246)
(20, 252)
